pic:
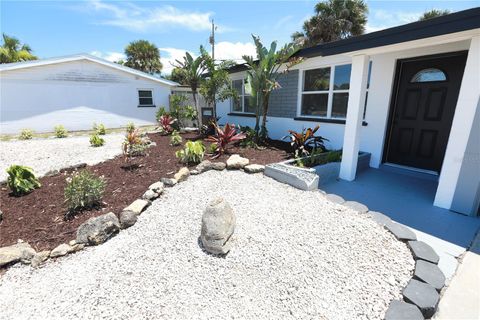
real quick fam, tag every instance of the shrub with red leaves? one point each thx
(223, 137)
(166, 123)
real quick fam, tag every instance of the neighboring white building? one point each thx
(409, 95)
(76, 91)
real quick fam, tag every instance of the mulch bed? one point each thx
(38, 217)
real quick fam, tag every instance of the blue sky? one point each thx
(104, 28)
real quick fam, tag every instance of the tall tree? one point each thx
(217, 85)
(433, 14)
(14, 51)
(193, 70)
(262, 74)
(144, 56)
(178, 75)
(333, 20)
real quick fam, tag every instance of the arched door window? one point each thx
(429, 75)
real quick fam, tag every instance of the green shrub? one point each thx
(192, 153)
(134, 144)
(175, 139)
(212, 148)
(26, 134)
(21, 180)
(99, 129)
(96, 141)
(84, 190)
(160, 112)
(60, 131)
(249, 140)
(131, 127)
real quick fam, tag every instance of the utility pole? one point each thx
(212, 40)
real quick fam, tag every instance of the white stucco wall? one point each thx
(74, 94)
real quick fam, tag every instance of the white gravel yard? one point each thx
(45, 155)
(295, 255)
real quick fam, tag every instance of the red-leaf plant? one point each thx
(223, 137)
(303, 142)
(166, 121)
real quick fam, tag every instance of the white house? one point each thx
(409, 95)
(76, 91)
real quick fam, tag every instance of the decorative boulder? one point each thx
(203, 166)
(99, 229)
(157, 187)
(219, 166)
(237, 162)
(18, 252)
(168, 182)
(40, 258)
(150, 195)
(138, 206)
(61, 250)
(218, 225)
(182, 174)
(128, 219)
(254, 168)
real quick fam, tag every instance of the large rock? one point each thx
(128, 219)
(61, 250)
(203, 166)
(138, 206)
(97, 230)
(237, 162)
(182, 174)
(218, 225)
(219, 166)
(254, 168)
(423, 295)
(17, 252)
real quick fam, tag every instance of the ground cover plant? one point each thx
(21, 180)
(84, 190)
(26, 134)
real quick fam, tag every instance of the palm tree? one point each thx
(144, 56)
(262, 78)
(333, 20)
(13, 51)
(433, 14)
(193, 70)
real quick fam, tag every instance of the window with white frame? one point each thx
(244, 103)
(145, 98)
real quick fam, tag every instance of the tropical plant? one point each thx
(14, 51)
(262, 74)
(180, 110)
(21, 180)
(83, 190)
(160, 112)
(249, 140)
(304, 142)
(333, 20)
(223, 137)
(131, 127)
(193, 152)
(175, 139)
(99, 129)
(134, 145)
(96, 140)
(166, 123)
(178, 75)
(144, 56)
(212, 148)
(193, 70)
(433, 14)
(60, 131)
(217, 85)
(26, 134)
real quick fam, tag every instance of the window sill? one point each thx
(237, 114)
(337, 121)
(147, 106)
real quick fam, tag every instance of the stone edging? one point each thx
(99, 229)
(421, 295)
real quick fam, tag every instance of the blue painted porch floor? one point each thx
(407, 200)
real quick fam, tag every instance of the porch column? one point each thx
(356, 103)
(468, 100)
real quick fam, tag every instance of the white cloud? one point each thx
(234, 50)
(168, 57)
(110, 55)
(134, 18)
(382, 19)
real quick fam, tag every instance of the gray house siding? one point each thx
(283, 101)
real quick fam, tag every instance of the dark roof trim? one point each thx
(451, 23)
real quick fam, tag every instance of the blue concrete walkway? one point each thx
(408, 200)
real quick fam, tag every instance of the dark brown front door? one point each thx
(423, 105)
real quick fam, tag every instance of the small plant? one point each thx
(60, 131)
(161, 112)
(131, 127)
(134, 145)
(26, 134)
(212, 148)
(166, 124)
(249, 140)
(96, 141)
(175, 139)
(224, 137)
(99, 129)
(193, 152)
(84, 190)
(305, 142)
(21, 180)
